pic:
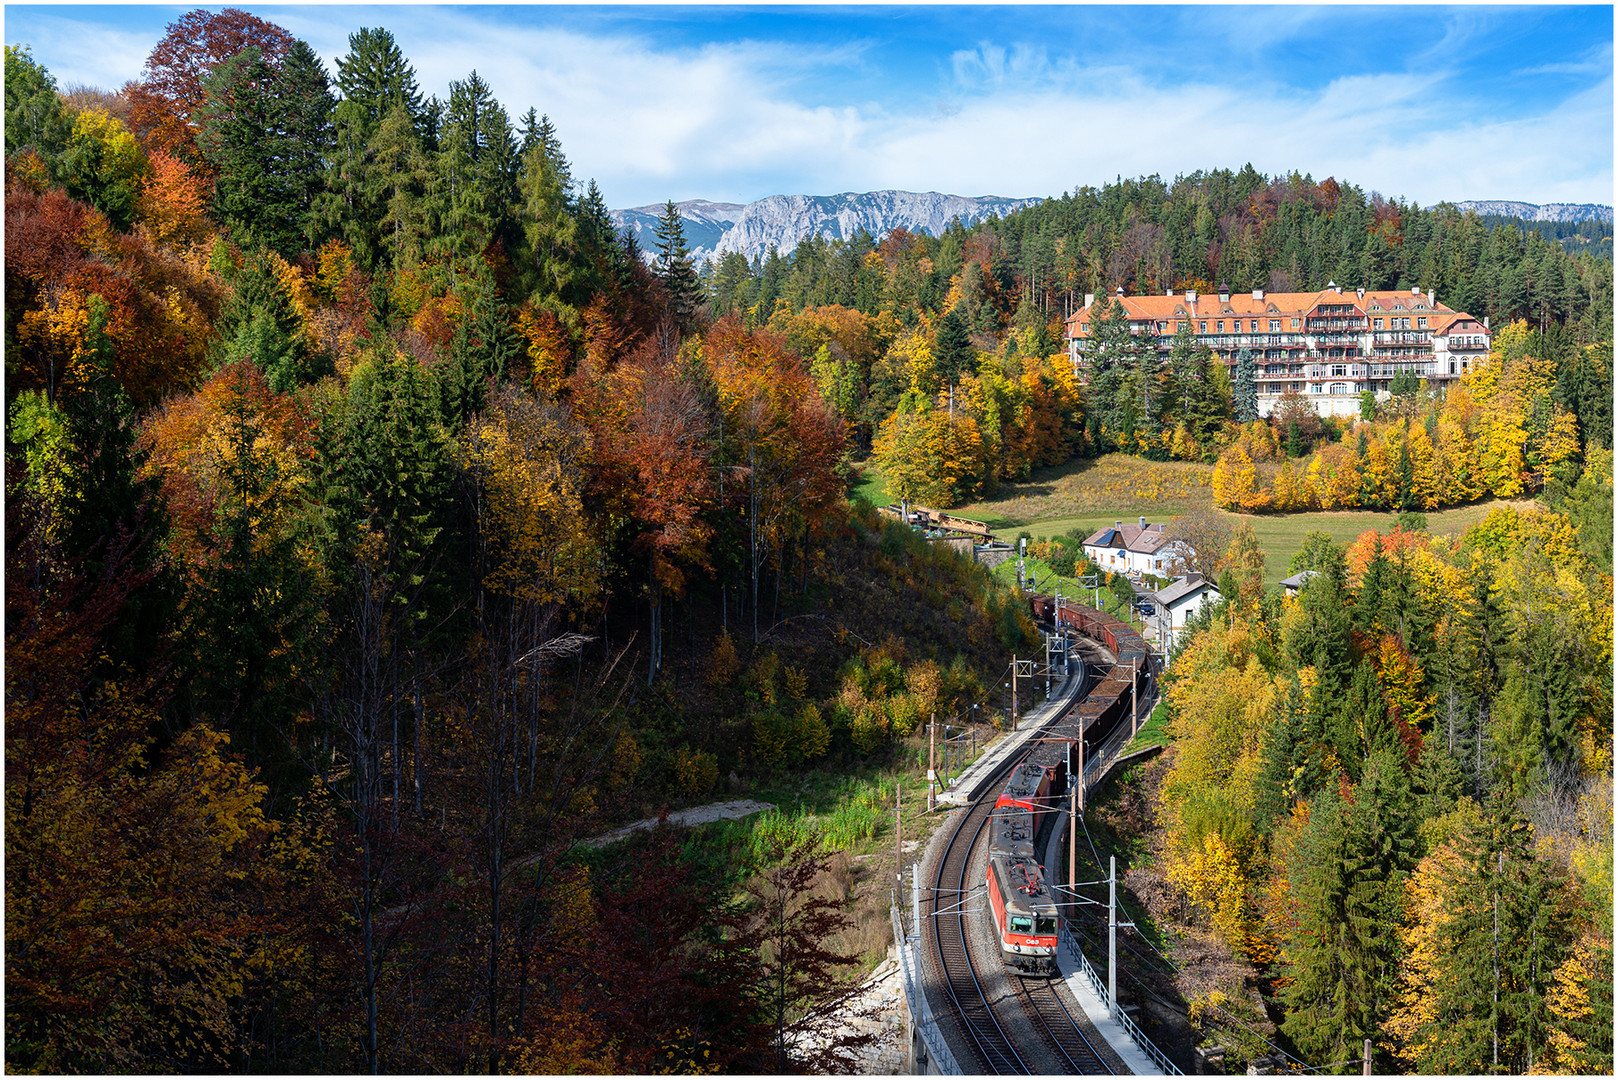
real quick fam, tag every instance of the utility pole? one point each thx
(898, 835)
(1081, 773)
(1134, 703)
(1072, 821)
(1013, 691)
(931, 764)
(1365, 1069)
(1112, 934)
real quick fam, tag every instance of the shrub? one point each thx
(811, 738)
(695, 771)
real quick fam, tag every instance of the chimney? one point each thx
(1431, 301)
(1120, 290)
(1191, 296)
(1224, 294)
(1334, 287)
(1415, 290)
(1089, 299)
(1258, 294)
(1485, 322)
(1168, 292)
(1361, 291)
(1118, 525)
(1143, 521)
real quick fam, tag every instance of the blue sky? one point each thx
(736, 103)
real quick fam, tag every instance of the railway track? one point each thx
(972, 1011)
(1051, 1015)
(975, 1019)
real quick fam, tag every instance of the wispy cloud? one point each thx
(734, 105)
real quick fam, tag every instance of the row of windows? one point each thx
(1400, 324)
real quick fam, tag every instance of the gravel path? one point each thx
(695, 815)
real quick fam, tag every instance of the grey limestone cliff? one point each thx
(715, 229)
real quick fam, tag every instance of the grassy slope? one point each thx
(1088, 494)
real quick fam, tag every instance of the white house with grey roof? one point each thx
(1174, 604)
(1138, 548)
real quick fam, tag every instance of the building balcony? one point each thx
(1402, 337)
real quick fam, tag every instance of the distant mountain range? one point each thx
(1547, 212)
(714, 229)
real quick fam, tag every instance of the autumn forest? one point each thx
(382, 524)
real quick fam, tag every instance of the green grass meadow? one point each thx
(1089, 494)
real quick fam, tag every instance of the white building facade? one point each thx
(1329, 346)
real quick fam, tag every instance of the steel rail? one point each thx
(972, 1010)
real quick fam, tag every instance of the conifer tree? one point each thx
(1505, 936)
(306, 104)
(1108, 354)
(952, 347)
(35, 116)
(550, 228)
(675, 270)
(1343, 952)
(242, 140)
(375, 78)
(1244, 407)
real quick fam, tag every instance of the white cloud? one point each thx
(739, 120)
(83, 53)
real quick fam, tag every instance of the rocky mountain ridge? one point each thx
(713, 229)
(1538, 212)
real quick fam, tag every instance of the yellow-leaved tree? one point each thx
(1223, 703)
(1235, 482)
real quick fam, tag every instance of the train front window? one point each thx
(1045, 924)
(1022, 925)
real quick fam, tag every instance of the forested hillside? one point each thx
(946, 354)
(381, 523)
(1391, 797)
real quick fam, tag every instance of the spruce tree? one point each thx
(1349, 883)
(375, 78)
(1244, 405)
(243, 142)
(306, 105)
(1368, 606)
(675, 270)
(1108, 354)
(952, 347)
(1506, 933)
(259, 325)
(550, 228)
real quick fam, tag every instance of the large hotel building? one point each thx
(1330, 346)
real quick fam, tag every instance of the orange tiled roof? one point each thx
(1173, 308)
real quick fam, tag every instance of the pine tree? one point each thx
(675, 270)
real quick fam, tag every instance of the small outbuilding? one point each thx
(1293, 585)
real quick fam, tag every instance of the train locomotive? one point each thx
(1026, 907)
